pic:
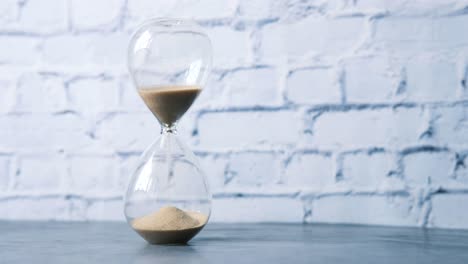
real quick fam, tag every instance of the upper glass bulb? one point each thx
(169, 60)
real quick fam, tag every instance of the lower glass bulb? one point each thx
(168, 200)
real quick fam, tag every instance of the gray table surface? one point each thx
(56, 242)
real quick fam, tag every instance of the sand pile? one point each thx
(169, 225)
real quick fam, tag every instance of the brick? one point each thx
(449, 211)
(129, 98)
(240, 130)
(9, 10)
(431, 80)
(446, 31)
(147, 8)
(370, 80)
(292, 10)
(127, 166)
(407, 36)
(313, 86)
(186, 126)
(413, 8)
(412, 35)
(215, 168)
(363, 170)
(34, 208)
(140, 10)
(255, 210)
(77, 209)
(206, 9)
(95, 49)
(214, 88)
(25, 51)
(254, 82)
(7, 100)
(450, 126)
(42, 132)
(105, 210)
(369, 5)
(231, 47)
(88, 14)
(47, 16)
(5, 168)
(461, 172)
(259, 9)
(253, 169)
(92, 173)
(403, 29)
(93, 94)
(144, 9)
(301, 38)
(310, 170)
(433, 168)
(40, 92)
(273, 43)
(368, 128)
(374, 210)
(40, 172)
(127, 132)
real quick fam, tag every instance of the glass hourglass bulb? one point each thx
(168, 199)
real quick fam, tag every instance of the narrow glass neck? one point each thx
(168, 129)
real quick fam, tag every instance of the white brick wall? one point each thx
(41, 17)
(317, 111)
(5, 167)
(223, 40)
(447, 211)
(316, 36)
(257, 82)
(93, 94)
(257, 209)
(25, 51)
(441, 82)
(252, 128)
(312, 170)
(367, 170)
(429, 167)
(93, 173)
(48, 94)
(35, 208)
(40, 172)
(373, 209)
(253, 169)
(313, 86)
(379, 85)
(90, 15)
(368, 128)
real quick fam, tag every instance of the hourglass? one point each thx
(168, 199)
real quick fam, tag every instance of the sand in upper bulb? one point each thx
(169, 225)
(169, 103)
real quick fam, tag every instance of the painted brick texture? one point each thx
(317, 111)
